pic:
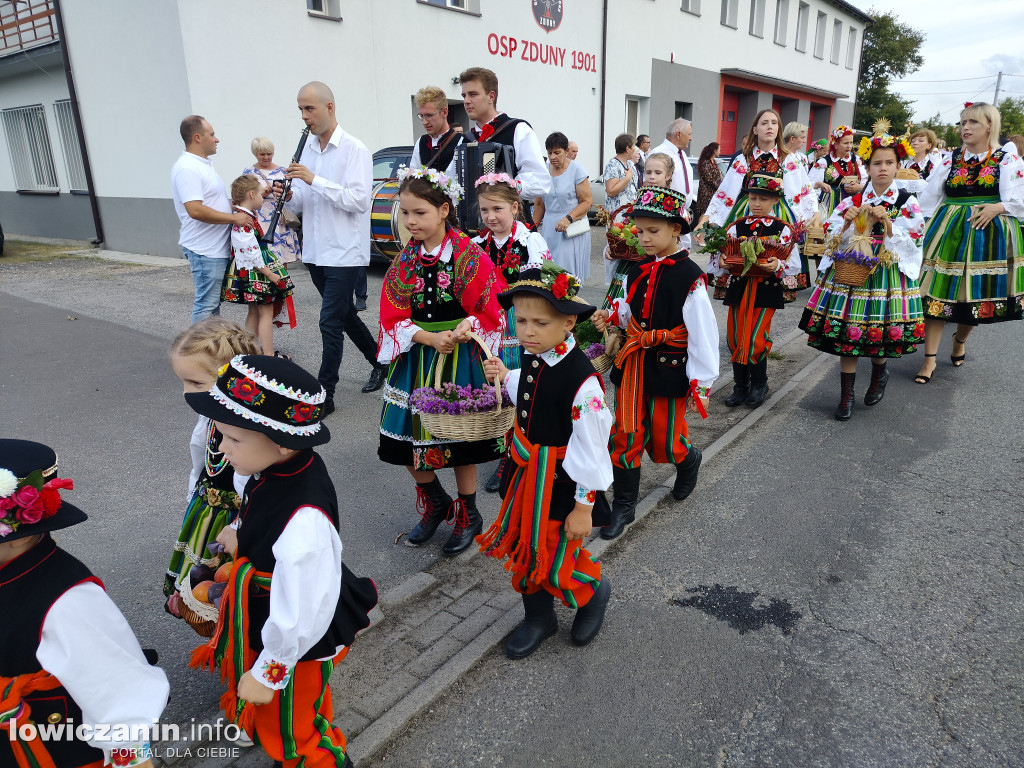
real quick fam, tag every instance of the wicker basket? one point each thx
(733, 261)
(604, 362)
(907, 174)
(468, 426)
(814, 243)
(617, 247)
(852, 274)
(202, 617)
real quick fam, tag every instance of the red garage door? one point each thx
(730, 107)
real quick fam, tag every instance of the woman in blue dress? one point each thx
(569, 200)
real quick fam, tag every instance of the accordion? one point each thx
(472, 160)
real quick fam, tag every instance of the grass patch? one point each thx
(776, 356)
(25, 252)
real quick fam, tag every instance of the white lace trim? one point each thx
(259, 418)
(272, 384)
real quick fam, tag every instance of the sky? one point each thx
(962, 41)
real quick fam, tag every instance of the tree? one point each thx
(892, 50)
(945, 131)
(1011, 112)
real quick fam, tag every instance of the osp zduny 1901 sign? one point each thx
(547, 14)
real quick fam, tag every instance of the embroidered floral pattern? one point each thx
(301, 412)
(245, 389)
(274, 672)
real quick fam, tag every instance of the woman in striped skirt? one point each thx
(881, 318)
(974, 245)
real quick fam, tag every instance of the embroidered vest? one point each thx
(510, 259)
(843, 168)
(976, 178)
(893, 209)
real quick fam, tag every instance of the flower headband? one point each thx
(500, 178)
(27, 500)
(869, 145)
(437, 179)
(840, 131)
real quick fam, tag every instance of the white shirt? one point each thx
(682, 177)
(415, 161)
(796, 188)
(533, 171)
(193, 178)
(336, 206)
(87, 645)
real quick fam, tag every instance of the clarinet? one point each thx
(268, 236)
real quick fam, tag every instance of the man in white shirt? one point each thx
(436, 148)
(333, 189)
(480, 97)
(204, 209)
(677, 139)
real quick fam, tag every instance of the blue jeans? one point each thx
(338, 317)
(208, 278)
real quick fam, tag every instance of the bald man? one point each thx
(333, 190)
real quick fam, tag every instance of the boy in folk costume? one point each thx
(69, 659)
(552, 494)
(670, 354)
(753, 299)
(291, 607)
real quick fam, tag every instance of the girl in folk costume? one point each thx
(915, 170)
(974, 244)
(512, 247)
(839, 174)
(440, 288)
(69, 658)
(882, 318)
(215, 489)
(553, 495)
(255, 277)
(669, 356)
(753, 299)
(763, 153)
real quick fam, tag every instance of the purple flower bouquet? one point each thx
(594, 350)
(453, 400)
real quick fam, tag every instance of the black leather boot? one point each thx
(876, 390)
(377, 377)
(432, 502)
(493, 484)
(740, 385)
(590, 617)
(686, 474)
(540, 624)
(758, 383)
(625, 494)
(468, 524)
(844, 410)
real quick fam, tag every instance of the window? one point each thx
(69, 143)
(632, 115)
(469, 6)
(684, 109)
(803, 20)
(819, 36)
(29, 145)
(730, 10)
(851, 49)
(781, 21)
(691, 6)
(837, 40)
(757, 18)
(327, 9)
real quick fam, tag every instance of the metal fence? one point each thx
(26, 24)
(29, 144)
(69, 141)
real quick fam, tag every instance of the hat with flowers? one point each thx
(765, 183)
(30, 500)
(661, 203)
(267, 394)
(882, 138)
(551, 282)
(436, 179)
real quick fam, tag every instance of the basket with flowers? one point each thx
(853, 264)
(600, 348)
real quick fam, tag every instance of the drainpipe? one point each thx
(77, 114)
(604, 78)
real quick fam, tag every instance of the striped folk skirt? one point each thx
(511, 350)
(972, 276)
(882, 318)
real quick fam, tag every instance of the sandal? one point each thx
(958, 360)
(280, 354)
(921, 378)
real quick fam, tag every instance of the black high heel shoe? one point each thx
(958, 360)
(921, 378)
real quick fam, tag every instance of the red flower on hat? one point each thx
(301, 412)
(31, 503)
(245, 389)
(560, 286)
(51, 495)
(968, 104)
(669, 203)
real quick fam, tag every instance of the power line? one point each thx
(956, 80)
(939, 93)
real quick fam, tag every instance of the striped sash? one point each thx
(525, 508)
(13, 707)
(631, 360)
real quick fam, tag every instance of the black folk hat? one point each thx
(661, 203)
(551, 282)
(267, 394)
(30, 500)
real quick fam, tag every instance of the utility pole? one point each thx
(999, 82)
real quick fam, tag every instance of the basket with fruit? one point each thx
(623, 242)
(199, 595)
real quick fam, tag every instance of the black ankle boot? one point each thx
(493, 484)
(844, 410)
(876, 390)
(686, 474)
(468, 524)
(758, 383)
(590, 617)
(540, 624)
(740, 385)
(625, 494)
(432, 502)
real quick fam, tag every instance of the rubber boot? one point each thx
(686, 474)
(625, 494)
(493, 484)
(740, 385)
(432, 502)
(876, 390)
(468, 524)
(844, 410)
(540, 624)
(758, 383)
(590, 617)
